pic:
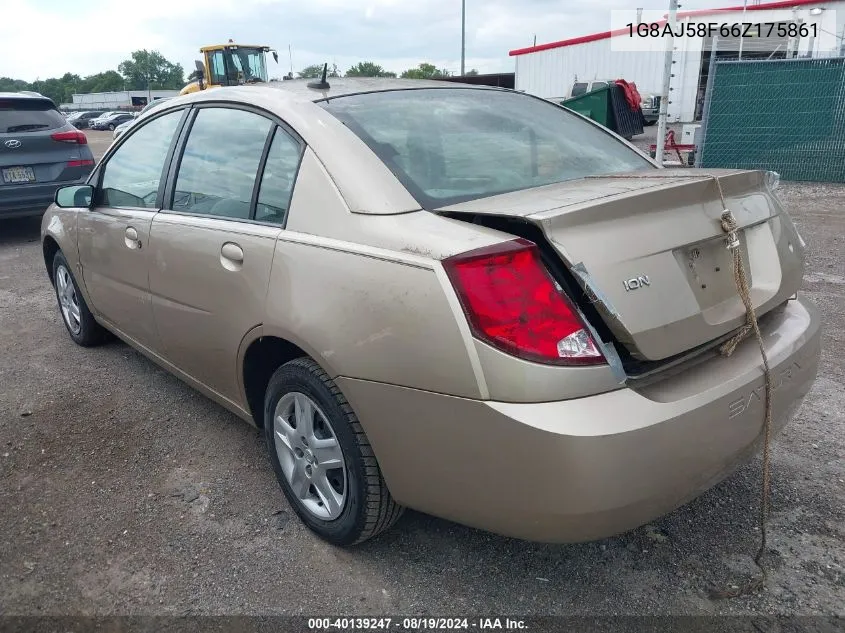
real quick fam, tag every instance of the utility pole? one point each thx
(744, 4)
(463, 36)
(667, 80)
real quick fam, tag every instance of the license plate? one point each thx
(18, 174)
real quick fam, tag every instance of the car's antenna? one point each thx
(322, 84)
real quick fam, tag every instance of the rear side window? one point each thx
(220, 162)
(278, 178)
(133, 173)
(452, 145)
(28, 115)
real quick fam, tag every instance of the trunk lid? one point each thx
(651, 255)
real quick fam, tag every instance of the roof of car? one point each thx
(341, 86)
(24, 94)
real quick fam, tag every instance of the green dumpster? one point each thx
(608, 107)
(594, 105)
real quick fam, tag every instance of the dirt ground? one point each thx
(125, 492)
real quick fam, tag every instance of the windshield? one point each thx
(451, 145)
(579, 89)
(248, 63)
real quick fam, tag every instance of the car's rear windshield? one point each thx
(28, 115)
(452, 145)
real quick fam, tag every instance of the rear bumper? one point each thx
(17, 201)
(592, 467)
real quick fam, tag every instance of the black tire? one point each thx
(90, 332)
(111, 127)
(369, 508)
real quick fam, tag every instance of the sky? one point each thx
(51, 37)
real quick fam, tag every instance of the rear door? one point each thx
(213, 245)
(33, 148)
(114, 236)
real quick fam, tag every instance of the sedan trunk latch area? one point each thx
(729, 226)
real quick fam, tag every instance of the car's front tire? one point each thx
(78, 320)
(111, 127)
(322, 457)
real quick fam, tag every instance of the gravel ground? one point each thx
(125, 492)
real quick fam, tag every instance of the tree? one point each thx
(368, 69)
(425, 71)
(109, 81)
(315, 71)
(150, 70)
(7, 84)
(472, 73)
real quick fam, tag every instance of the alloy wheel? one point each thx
(68, 301)
(310, 455)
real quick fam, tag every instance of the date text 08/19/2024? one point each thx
(415, 624)
(724, 30)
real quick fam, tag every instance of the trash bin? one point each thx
(608, 107)
(594, 105)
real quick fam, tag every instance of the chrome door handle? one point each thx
(232, 252)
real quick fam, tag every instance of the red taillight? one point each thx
(512, 303)
(73, 136)
(80, 163)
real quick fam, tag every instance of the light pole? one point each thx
(463, 36)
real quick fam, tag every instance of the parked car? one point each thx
(39, 152)
(459, 299)
(120, 129)
(82, 120)
(651, 108)
(111, 121)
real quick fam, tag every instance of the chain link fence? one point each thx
(785, 115)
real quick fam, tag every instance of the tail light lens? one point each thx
(512, 303)
(80, 163)
(72, 136)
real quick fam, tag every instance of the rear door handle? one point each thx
(232, 252)
(132, 240)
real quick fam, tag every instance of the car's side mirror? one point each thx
(75, 196)
(200, 73)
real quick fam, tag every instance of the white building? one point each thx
(550, 70)
(116, 100)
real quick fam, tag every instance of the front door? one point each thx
(114, 236)
(213, 246)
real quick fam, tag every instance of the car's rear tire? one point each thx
(111, 127)
(78, 320)
(347, 502)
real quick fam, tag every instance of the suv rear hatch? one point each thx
(37, 144)
(650, 254)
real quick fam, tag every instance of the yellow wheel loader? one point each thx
(229, 64)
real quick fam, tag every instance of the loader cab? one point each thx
(233, 65)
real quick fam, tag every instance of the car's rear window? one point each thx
(452, 145)
(25, 115)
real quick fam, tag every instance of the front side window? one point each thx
(217, 68)
(220, 161)
(278, 178)
(132, 174)
(451, 145)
